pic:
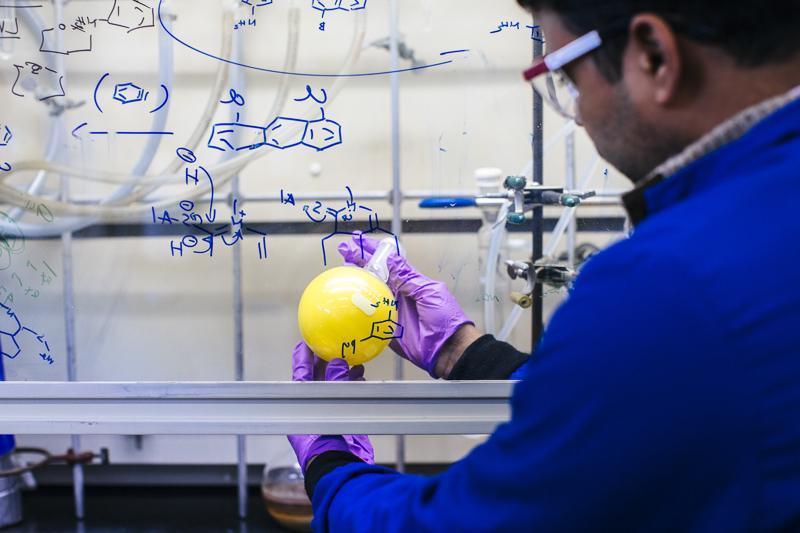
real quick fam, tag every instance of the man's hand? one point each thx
(436, 330)
(308, 367)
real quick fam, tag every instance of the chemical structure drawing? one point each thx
(5, 135)
(256, 3)
(282, 133)
(346, 221)
(320, 134)
(13, 337)
(9, 28)
(338, 5)
(129, 93)
(252, 21)
(201, 238)
(323, 6)
(229, 137)
(536, 30)
(55, 40)
(346, 215)
(385, 330)
(131, 15)
(40, 81)
(124, 93)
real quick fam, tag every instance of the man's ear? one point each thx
(656, 57)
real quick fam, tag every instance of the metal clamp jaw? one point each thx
(526, 198)
(556, 275)
(545, 273)
(45, 457)
(521, 270)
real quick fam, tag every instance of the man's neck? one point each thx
(722, 133)
(734, 89)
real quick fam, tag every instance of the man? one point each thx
(665, 394)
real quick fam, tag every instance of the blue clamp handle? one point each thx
(447, 203)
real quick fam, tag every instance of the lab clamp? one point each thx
(20, 465)
(16, 473)
(545, 271)
(523, 198)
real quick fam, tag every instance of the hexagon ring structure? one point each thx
(285, 132)
(323, 134)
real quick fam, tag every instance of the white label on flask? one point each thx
(360, 301)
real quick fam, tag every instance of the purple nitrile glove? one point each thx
(428, 312)
(308, 367)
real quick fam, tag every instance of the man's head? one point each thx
(671, 70)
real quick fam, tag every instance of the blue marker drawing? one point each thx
(346, 214)
(262, 245)
(290, 73)
(338, 5)
(129, 93)
(97, 90)
(536, 31)
(310, 94)
(282, 133)
(225, 137)
(5, 136)
(103, 132)
(164, 102)
(322, 134)
(186, 155)
(12, 331)
(318, 213)
(234, 98)
(144, 132)
(256, 3)
(211, 216)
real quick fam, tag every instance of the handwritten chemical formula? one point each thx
(251, 7)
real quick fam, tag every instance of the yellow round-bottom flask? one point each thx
(348, 312)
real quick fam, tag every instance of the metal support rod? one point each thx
(572, 229)
(537, 155)
(69, 335)
(397, 193)
(238, 342)
(381, 196)
(69, 289)
(237, 81)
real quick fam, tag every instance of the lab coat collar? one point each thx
(650, 195)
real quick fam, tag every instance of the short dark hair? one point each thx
(755, 34)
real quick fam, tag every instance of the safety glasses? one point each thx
(553, 84)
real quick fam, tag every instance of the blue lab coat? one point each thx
(665, 394)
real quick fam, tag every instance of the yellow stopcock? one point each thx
(349, 312)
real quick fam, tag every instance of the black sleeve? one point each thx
(488, 358)
(323, 464)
